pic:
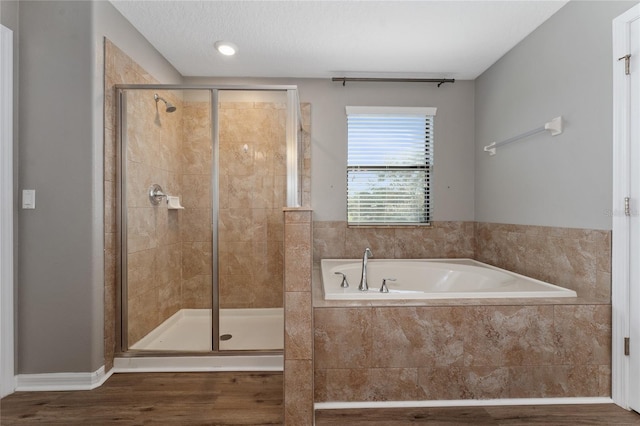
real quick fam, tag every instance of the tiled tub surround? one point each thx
(333, 239)
(420, 279)
(468, 349)
(412, 353)
(578, 259)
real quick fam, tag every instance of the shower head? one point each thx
(169, 105)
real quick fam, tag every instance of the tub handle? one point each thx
(344, 283)
(384, 288)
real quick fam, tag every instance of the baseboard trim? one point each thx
(199, 363)
(62, 381)
(461, 403)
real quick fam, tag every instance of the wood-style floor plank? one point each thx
(236, 398)
(592, 414)
(404, 416)
(548, 415)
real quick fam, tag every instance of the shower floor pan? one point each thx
(190, 330)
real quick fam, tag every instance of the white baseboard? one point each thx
(198, 363)
(461, 403)
(62, 381)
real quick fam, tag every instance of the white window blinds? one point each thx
(389, 165)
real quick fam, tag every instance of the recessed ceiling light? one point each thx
(226, 48)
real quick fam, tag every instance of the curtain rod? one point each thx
(440, 81)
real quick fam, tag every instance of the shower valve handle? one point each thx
(156, 194)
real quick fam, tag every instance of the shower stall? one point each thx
(204, 173)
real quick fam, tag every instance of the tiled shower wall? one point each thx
(154, 247)
(170, 250)
(168, 256)
(253, 174)
(119, 69)
(182, 239)
(195, 195)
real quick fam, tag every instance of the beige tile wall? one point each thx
(119, 69)
(461, 352)
(195, 220)
(298, 308)
(155, 252)
(579, 259)
(442, 239)
(252, 193)
(298, 342)
(169, 251)
(469, 352)
(251, 270)
(111, 77)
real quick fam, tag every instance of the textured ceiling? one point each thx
(452, 39)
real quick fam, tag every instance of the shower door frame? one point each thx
(293, 197)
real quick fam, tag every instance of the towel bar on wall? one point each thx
(554, 127)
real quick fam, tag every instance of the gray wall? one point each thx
(563, 68)
(60, 269)
(56, 256)
(454, 126)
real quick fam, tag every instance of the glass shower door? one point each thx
(252, 193)
(166, 147)
(201, 193)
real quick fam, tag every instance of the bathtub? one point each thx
(431, 279)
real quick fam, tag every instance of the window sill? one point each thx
(391, 225)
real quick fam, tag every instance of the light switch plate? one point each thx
(28, 198)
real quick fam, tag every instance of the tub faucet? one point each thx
(363, 281)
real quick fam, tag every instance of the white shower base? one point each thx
(190, 330)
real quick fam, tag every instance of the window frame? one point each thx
(428, 113)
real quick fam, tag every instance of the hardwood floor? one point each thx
(548, 415)
(155, 399)
(241, 398)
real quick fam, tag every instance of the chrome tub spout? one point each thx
(363, 280)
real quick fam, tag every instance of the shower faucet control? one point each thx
(363, 280)
(156, 194)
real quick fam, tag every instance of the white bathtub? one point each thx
(431, 279)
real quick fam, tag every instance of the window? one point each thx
(389, 165)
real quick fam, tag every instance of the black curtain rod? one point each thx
(440, 81)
